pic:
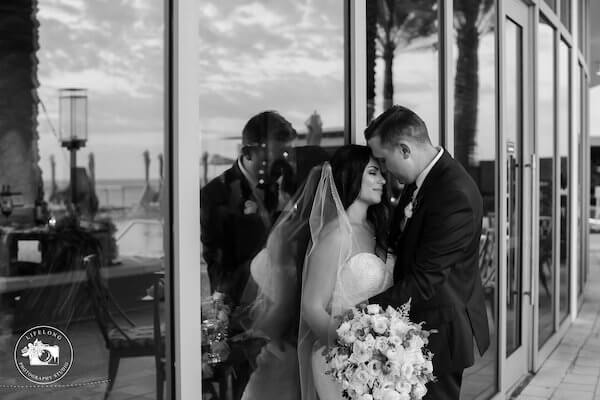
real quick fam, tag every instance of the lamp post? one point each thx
(72, 108)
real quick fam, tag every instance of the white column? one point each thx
(574, 258)
(185, 195)
(356, 70)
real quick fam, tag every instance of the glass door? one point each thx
(516, 143)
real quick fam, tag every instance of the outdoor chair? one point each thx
(122, 337)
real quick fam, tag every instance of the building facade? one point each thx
(502, 85)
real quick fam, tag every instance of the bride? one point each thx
(332, 237)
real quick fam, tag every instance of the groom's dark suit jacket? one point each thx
(437, 265)
(230, 236)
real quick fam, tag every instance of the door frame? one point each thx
(514, 367)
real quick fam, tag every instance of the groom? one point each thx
(435, 236)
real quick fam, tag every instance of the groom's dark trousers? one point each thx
(437, 267)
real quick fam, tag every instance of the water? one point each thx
(113, 192)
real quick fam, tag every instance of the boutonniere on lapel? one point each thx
(410, 208)
(250, 207)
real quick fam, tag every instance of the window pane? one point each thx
(107, 205)
(565, 13)
(581, 23)
(545, 149)
(268, 72)
(551, 3)
(563, 153)
(475, 148)
(402, 59)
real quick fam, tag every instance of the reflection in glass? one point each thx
(474, 148)
(580, 93)
(257, 57)
(551, 3)
(269, 56)
(563, 167)
(581, 23)
(55, 234)
(402, 59)
(545, 149)
(513, 131)
(565, 13)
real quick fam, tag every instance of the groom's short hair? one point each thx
(395, 123)
(266, 126)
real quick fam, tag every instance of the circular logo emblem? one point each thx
(43, 355)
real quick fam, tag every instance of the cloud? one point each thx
(283, 55)
(114, 48)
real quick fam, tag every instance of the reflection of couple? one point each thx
(339, 220)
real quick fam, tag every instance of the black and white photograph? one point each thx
(299, 200)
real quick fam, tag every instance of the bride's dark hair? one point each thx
(348, 165)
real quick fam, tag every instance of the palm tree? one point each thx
(393, 23)
(472, 19)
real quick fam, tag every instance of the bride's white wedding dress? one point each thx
(338, 250)
(364, 276)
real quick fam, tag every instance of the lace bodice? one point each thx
(363, 276)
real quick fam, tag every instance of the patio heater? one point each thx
(72, 109)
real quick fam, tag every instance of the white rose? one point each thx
(373, 309)
(369, 340)
(360, 352)
(396, 341)
(403, 387)
(416, 342)
(407, 370)
(343, 329)
(381, 344)
(349, 338)
(361, 376)
(398, 328)
(419, 390)
(390, 394)
(374, 366)
(391, 311)
(428, 367)
(339, 361)
(356, 325)
(380, 324)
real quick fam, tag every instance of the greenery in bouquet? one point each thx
(381, 354)
(215, 323)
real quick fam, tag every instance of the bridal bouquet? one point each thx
(215, 324)
(380, 354)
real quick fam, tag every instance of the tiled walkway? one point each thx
(572, 372)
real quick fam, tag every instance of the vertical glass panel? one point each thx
(581, 23)
(474, 147)
(81, 248)
(402, 59)
(545, 149)
(563, 168)
(551, 3)
(271, 106)
(578, 112)
(565, 13)
(513, 131)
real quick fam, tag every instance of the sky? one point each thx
(114, 49)
(284, 55)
